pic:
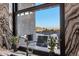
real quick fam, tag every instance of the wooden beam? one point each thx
(14, 9)
(62, 29)
(39, 7)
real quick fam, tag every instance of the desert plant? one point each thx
(14, 40)
(52, 44)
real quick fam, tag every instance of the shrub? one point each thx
(52, 44)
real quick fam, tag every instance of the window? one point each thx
(48, 20)
(50, 17)
(42, 41)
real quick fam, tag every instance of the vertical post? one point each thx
(62, 29)
(26, 40)
(14, 9)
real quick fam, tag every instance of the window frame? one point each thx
(43, 6)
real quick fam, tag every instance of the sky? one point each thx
(48, 18)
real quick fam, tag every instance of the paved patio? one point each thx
(4, 52)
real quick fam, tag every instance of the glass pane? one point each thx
(42, 41)
(42, 27)
(48, 23)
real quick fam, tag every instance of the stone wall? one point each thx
(72, 28)
(5, 31)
